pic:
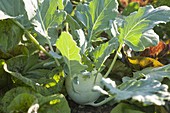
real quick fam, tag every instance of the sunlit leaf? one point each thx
(45, 16)
(71, 53)
(96, 16)
(135, 33)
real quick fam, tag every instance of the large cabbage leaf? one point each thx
(24, 99)
(146, 91)
(32, 72)
(45, 17)
(158, 73)
(71, 53)
(137, 30)
(97, 15)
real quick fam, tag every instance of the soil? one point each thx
(76, 108)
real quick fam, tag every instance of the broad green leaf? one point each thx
(27, 81)
(31, 72)
(96, 16)
(146, 91)
(47, 16)
(21, 103)
(135, 33)
(13, 93)
(102, 52)
(125, 108)
(68, 47)
(71, 53)
(54, 104)
(14, 9)
(154, 73)
(10, 35)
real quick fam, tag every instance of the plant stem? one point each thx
(35, 41)
(67, 27)
(113, 62)
(51, 48)
(102, 102)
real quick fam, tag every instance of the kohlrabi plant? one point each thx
(85, 62)
(79, 41)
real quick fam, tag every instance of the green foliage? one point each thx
(45, 18)
(21, 99)
(154, 73)
(146, 91)
(137, 34)
(54, 103)
(96, 16)
(70, 52)
(102, 52)
(10, 35)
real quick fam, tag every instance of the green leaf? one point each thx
(146, 91)
(31, 72)
(13, 93)
(158, 73)
(10, 35)
(135, 33)
(68, 47)
(23, 98)
(125, 108)
(47, 16)
(54, 104)
(96, 16)
(27, 81)
(102, 52)
(71, 53)
(14, 9)
(21, 103)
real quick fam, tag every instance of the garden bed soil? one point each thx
(76, 108)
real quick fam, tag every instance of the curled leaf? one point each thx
(142, 62)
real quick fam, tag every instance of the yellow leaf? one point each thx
(142, 62)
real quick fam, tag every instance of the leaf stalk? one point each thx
(113, 62)
(35, 41)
